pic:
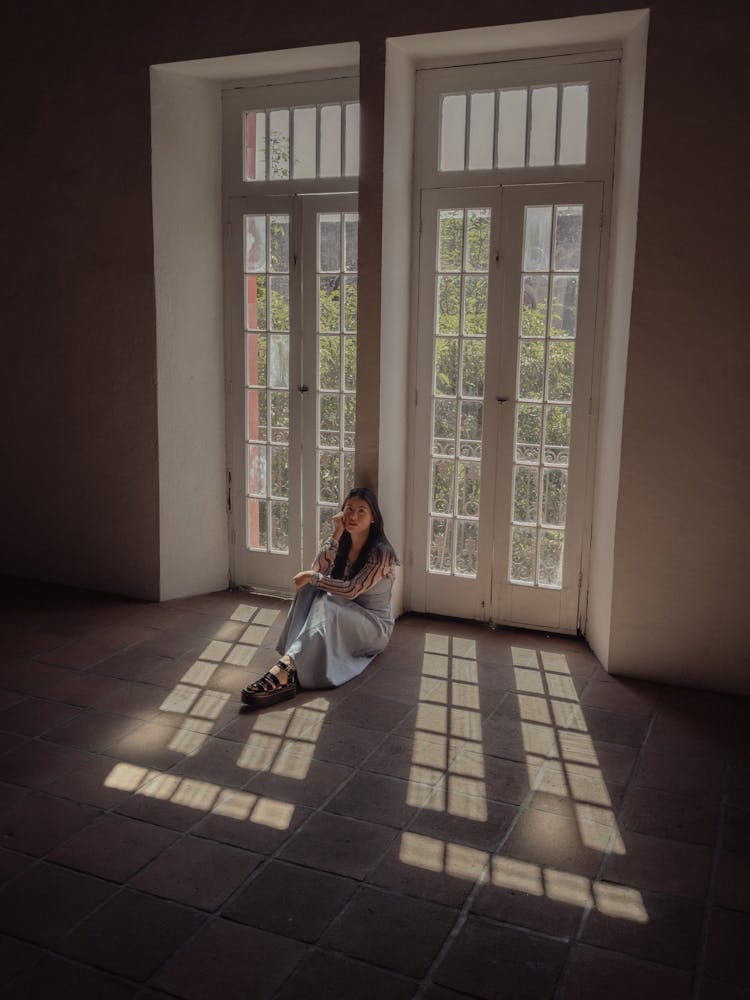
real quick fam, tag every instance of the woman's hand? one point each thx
(338, 525)
(302, 578)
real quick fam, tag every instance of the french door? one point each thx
(292, 266)
(507, 311)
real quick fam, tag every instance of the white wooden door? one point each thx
(507, 312)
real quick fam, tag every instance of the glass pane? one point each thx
(329, 362)
(255, 146)
(470, 442)
(305, 129)
(278, 258)
(543, 132)
(534, 305)
(475, 306)
(350, 363)
(350, 303)
(537, 237)
(448, 303)
(279, 527)
(453, 132)
(330, 141)
(329, 305)
(511, 134)
(481, 130)
(255, 411)
(280, 417)
(257, 527)
(256, 350)
(325, 524)
(528, 432)
(522, 555)
(255, 243)
(557, 435)
(560, 371)
(468, 489)
(574, 123)
(351, 235)
(444, 427)
(279, 135)
(279, 294)
(350, 420)
(348, 472)
(467, 545)
(554, 497)
(564, 306)
(551, 558)
(442, 486)
(278, 374)
(329, 242)
(472, 369)
(446, 367)
(256, 470)
(280, 472)
(255, 302)
(441, 544)
(568, 231)
(351, 151)
(329, 419)
(328, 476)
(525, 494)
(477, 239)
(531, 370)
(450, 239)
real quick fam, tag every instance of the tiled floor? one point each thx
(481, 814)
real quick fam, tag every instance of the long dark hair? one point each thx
(376, 539)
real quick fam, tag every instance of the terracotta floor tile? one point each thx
(92, 730)
(12, 863)
(38, 822)
(295, 778)
(616, 695)
(137, 700)
(428, 868)
(656, 928)
(171, 800)
(683, 775)
(290, 900)
(594, 974)
(197, 872)
(558, 842)
(340, 845)
(614, 727)
(727, 955)
(132, 664)
(500, 780)
(37, 763)
(152, 744)
(10, 741)
(511, 739)
(455, 815)
(33, 717)
(404, 757)
(487, 957)
(669, 814)
(113, 847)
(330, 976)
(395, 932)
(737, 831)
(45, 901)
(344, 744)
(732, 885)
(76, 655)
(370, 712)
(11, 793)
(224, 958)
(16, 957)
(713, 989)
(95, 782)
(528, 896)
(219, 761)
(53, 977)
(251, 821)
(86, 689)
(669, 866)
(380, 799)
(132, 935)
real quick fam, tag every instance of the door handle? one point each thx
(303, 388)
(501, 399)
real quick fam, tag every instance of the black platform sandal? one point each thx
(268, 690)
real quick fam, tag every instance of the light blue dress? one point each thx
(332, 638)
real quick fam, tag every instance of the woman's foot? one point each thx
(278, 684)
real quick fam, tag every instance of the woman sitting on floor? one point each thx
(341, 617)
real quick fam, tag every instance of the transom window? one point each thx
(302, 142)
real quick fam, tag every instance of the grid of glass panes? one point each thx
(544, 393)
(336, 362)
(519, 127)
(302, 143)
(459, 339)
(266, 278)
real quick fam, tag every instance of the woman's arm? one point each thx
(376, 567)
(326, 557)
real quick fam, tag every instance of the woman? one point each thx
(341, 617)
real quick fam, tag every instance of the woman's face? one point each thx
(357, 515)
